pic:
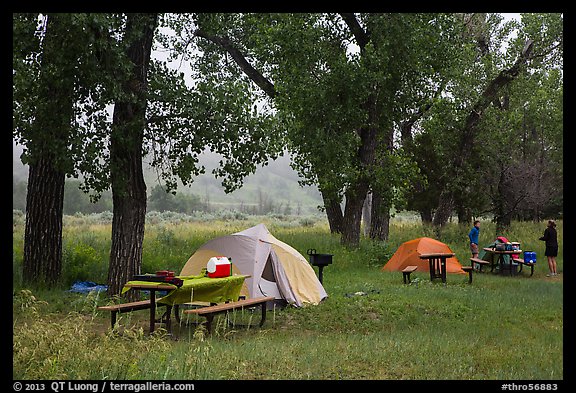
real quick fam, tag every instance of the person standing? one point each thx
(551, 239)
(473, 236)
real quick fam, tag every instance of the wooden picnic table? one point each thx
(437, 264)
(193, 289)
(501, 262)
(152, 287)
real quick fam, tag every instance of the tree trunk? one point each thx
(380, 226)
(42, 259)
(42, 262)
(128, 186)
(356, 192)
(353, 214)
(464, 213)
(444, 210)
(426, 216)
(333, 212)
(502, 212)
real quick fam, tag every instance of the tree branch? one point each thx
(240, 59)
(488, 95)
(503, 78)
(362, 37)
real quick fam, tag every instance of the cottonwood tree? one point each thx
(126, 140)
(523, 155)
(338, 107)
(173, 123)
(484, 76)
(540, 37)
(56, 69)
(45, 137)
(163, 118)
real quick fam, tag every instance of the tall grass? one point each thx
(372, 326)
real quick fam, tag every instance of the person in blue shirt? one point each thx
(473, 236)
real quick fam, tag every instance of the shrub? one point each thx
(81, 262)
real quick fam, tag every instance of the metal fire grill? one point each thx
(320, 260)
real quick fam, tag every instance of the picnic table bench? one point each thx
(469, 270)
(126, 307)
(521, 262)
(407, 271)
(211, 311)
(481, 262)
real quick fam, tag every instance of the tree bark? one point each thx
(501, 212)
(352, 219)
(128, 186)
(367, 214)
(358, 189)
(42, 264)
(380, 213)
(426, 216)
(333, 212)
(380, 226)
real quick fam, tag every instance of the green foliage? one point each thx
(75, 75)
(325, 93)
(216, 114)
(81, 262)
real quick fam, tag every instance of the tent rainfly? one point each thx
(409, 254)
(275, 268)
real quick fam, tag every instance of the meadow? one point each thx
(371, 326)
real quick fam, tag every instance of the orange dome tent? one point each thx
(409, 254)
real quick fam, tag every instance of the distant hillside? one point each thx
(275, 183)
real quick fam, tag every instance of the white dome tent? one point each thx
(275, 268)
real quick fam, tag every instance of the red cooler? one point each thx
(219, 267)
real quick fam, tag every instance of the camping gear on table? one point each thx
(502, 244)
(275, 268)
(165, 273)
(409, 254)
(160, 276)
(219, 267)
(500, 247)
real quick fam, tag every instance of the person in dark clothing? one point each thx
(551, 239)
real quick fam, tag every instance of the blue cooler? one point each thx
(529, 256)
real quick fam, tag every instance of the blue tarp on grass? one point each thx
(87, 287)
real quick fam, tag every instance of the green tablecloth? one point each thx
(200, 289)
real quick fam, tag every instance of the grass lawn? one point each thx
(371, 327)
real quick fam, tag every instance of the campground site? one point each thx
(369, 324)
